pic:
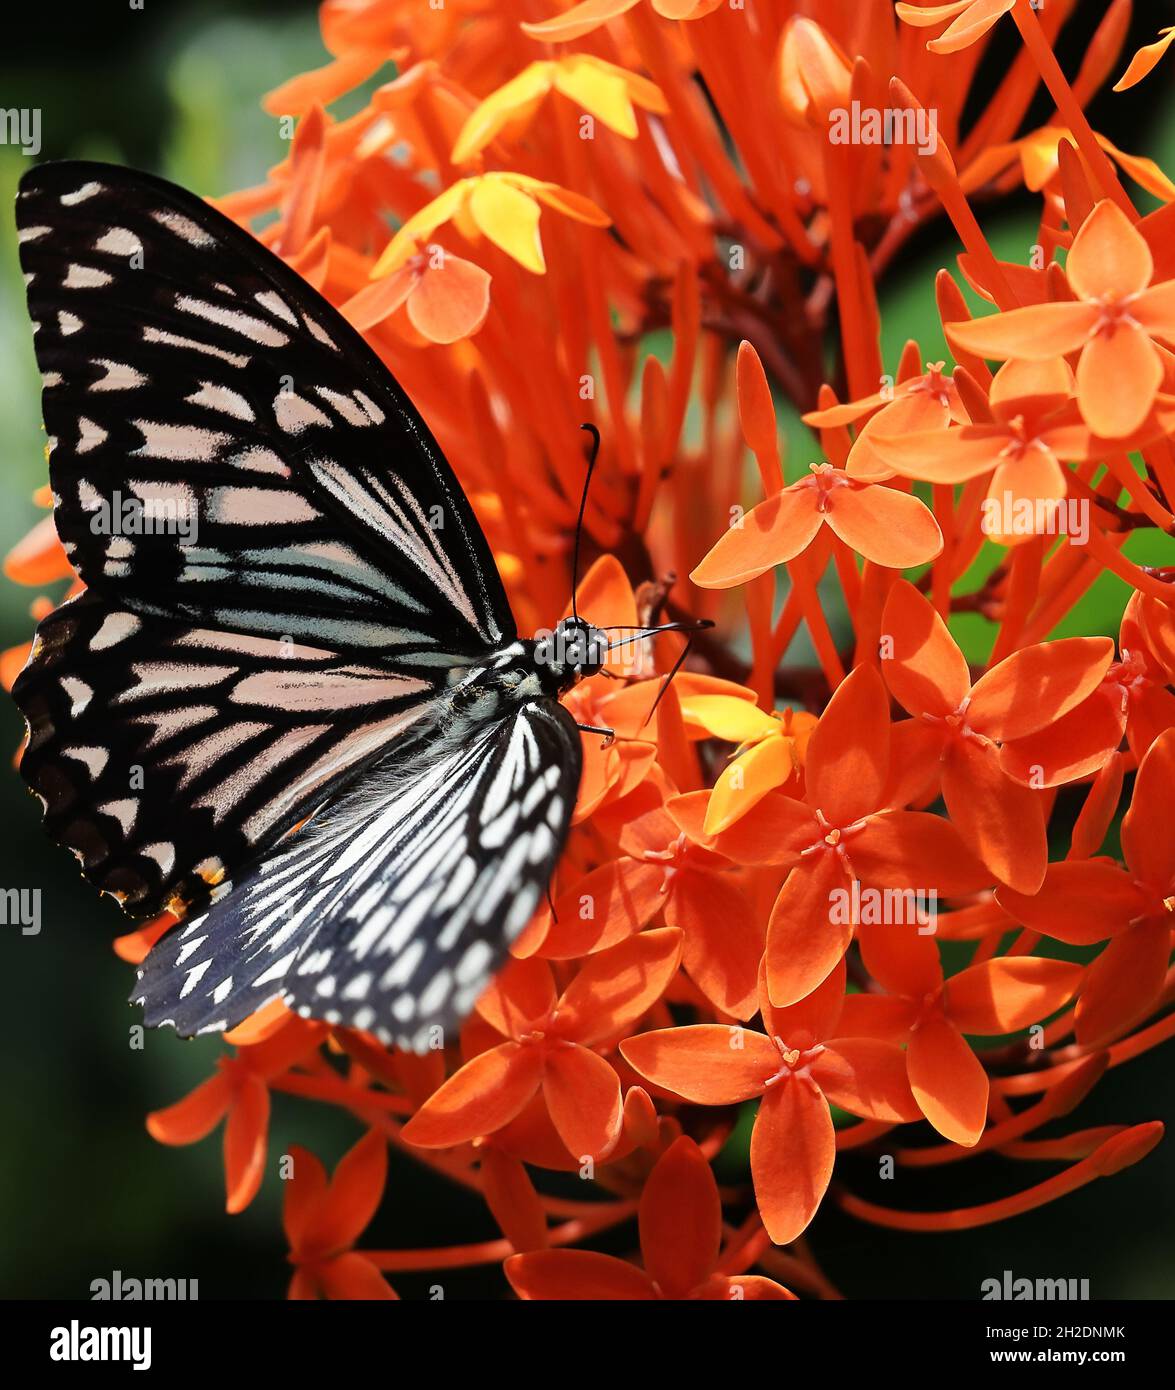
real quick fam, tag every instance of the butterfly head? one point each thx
(574, 649)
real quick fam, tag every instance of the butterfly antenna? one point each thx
(677, 665)
(641, 633)
(595, 434)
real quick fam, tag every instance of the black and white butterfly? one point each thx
(291, 612)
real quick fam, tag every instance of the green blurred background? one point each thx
(83, 1189)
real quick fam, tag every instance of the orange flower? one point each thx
(552, 1044)
(931, 1015)
(842, 831)
(1112, 323)
(445, 297)
(501, 206)
(589, 15)
(663, 868)
(969, 21)
(681, 1238)
(794, 1070)
(1033, 425)
(239, 1091)
(1132, 700)
(962, 725)
(600, 88)
(890, 528)
(1146, 59)
(1082, 902)
(919, 401)
(770, 755)
(324, 1219)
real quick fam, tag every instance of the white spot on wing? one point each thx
(119, 242)
(79, 195)
(119, 377)
(222, 398)
(162, 441)
(293, 414)
(183, 227)
(255, 329)
(116, 627)
(90, 435)
(85, 277)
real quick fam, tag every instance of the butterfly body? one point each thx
(291, 703)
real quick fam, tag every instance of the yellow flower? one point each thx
(502, 206)
(771, 750)
(600, 88)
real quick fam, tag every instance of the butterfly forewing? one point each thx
(225, 449)
(392, 909)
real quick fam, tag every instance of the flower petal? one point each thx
(680, 1220)
(915, 850)
(483, 1096)
(450, 301)
(768, 535)
(1124, 984)
(355, 1192)
(1081, 902)
(804, 944)
(1009, 993)
(921, 662)
(610, 904)
(615, 989)
(1108, 258)
(948, 1080)
(1034, 333)
(891, 528)
(1147, 841)
(246, 1132)
(1118, 374)
(723, 942)
(510, 218)
(793, 1148)
(1077, 744)
(303, 1193)
(866, 1077)
(705, 1063)
(1001, 821)
(194, 1117)
(353, 1276)
(582, 1095)
(511, 1197)
(1037, 685)
(847, 762)
(943, 456)
(567, 1275)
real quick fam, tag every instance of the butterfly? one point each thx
(291, 622)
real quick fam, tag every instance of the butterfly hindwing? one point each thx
(226, 451)
(390, 911)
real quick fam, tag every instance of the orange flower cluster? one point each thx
(766, 868)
